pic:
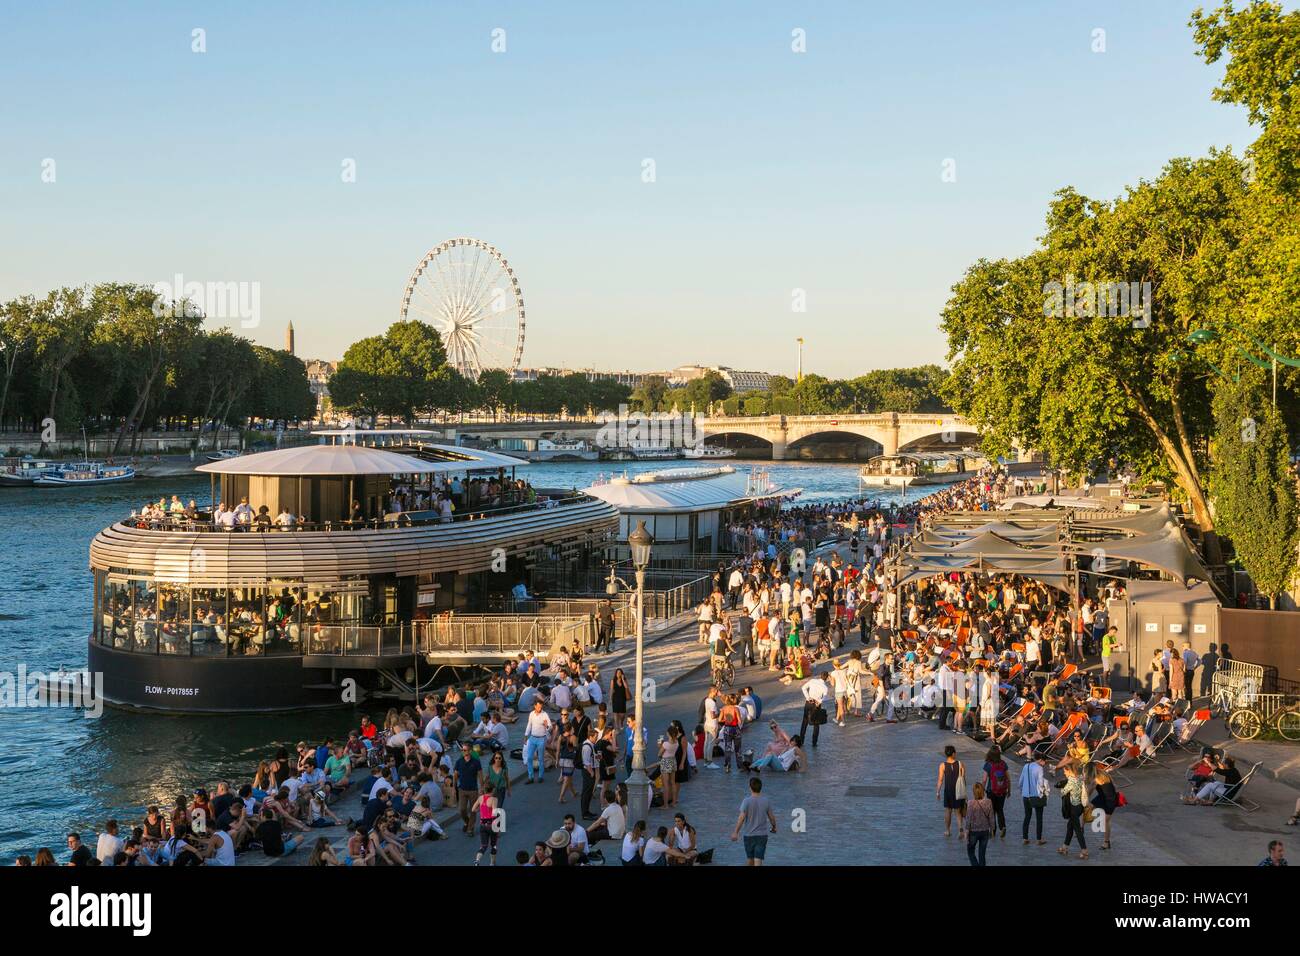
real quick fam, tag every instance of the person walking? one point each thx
(1072, 805)
(951, 788)
(997, 783)
(1033, 795)
(815, 692)
(619, 693)
(979, 825)
(755, 823)
(538, 733)
(1105, 800)
(590, 771)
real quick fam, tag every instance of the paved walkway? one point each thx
(868, 796)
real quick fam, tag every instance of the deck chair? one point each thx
(1068, 671)
(1018, 647)
(1115, 760)
(1067, 729)
(1187, 741)
(1236, 796)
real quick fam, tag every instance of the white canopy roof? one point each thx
(342, 460)
(720, 488)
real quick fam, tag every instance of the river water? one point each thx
(62, 770)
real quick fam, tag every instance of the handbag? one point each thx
(961, 782)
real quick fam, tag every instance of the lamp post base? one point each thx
(638, 796)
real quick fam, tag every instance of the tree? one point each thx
(1253, 484)
(494, 389)
(651, 395)
(1045, 351)
(280, 389)
(17, 339)
(700, 393)
(398, 373)
(62, 323)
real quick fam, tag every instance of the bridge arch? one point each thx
(942, 441)
(834, 444)
(744, 444)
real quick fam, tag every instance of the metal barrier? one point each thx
(461, 633)
(1237, 684)
(500, 633)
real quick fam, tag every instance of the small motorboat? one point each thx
(224, 455)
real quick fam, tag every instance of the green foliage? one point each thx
(1253, 485)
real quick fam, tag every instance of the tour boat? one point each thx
(710, 451)
(914, 468)
(85, 473)
(351, 599)
(24, 472)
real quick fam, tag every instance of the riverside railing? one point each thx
(496, 634)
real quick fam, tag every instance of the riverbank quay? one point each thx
(671, 654)
(868, 795)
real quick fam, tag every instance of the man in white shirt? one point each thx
(492, 733)
(947, 688)
(538, 731)
(221, 850)
(110, 844)
(578, 843)
(734, 584)
(815, 692)
(612, 823)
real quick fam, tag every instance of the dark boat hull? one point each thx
(199, 685)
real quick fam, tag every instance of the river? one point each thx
(63, 770)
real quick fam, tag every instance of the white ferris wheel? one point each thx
(465, 288)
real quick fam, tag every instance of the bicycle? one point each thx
(903, 708)
(722, 672)
(1266, 711)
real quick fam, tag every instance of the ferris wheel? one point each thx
(466, 289)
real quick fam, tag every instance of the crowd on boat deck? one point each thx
(405, 501)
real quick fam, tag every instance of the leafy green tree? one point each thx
(62, 324)
(363, 382)
(17, 342)
(652, 394)
(280, 390)
(1253, 484)
(494, 389)
(150, 337)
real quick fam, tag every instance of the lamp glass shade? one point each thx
(639, 543)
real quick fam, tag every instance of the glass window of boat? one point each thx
(173, 630)
(144, 601)
(210, 632)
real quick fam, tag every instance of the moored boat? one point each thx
(914, 468)
(24, 472)
(85, 473)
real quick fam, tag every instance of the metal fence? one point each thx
(463, 633)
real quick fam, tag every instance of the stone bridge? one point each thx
(893, 431)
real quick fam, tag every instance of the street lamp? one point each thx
(639, 543)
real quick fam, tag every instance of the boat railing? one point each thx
(502, 634)
(203, 522)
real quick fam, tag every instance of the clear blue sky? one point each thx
(775, 170)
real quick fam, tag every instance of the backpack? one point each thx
(998, 783)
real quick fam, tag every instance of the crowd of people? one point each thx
(1000, 657)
